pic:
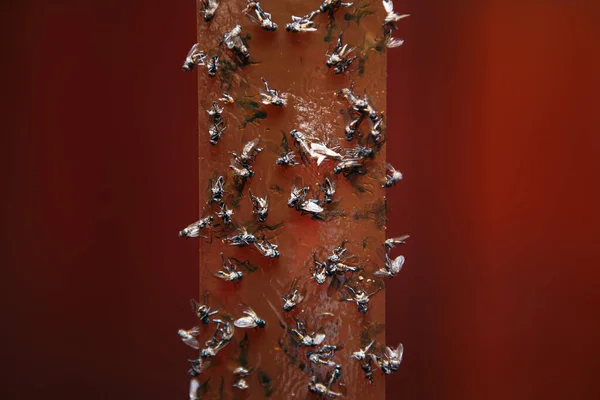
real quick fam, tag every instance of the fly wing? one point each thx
(397, 264)
(381, 273)
(192, 50)
(392, 43)
(388, 5)
(193, 343)
(318, 338)
(194, 386)
(400, 351)
(250, 146)
(245, 322)
(312, 207)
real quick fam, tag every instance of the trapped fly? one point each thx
(193, 230)
(286, 159)
(249, 153)
(297, 196)
(217, 191)
(392, 177)
(209, 7)
(328, 189)
(243, 238)
(301, 143)
(362, 106)
(250, 321)
(293, 297)
(203, 311)
(333, 5)
(339, 59)
(229, 272)
(349, 166)
(271, 96)
(392, 242)
(260, 206)
(221, 337)
(361, 298)
(323, 355)
(215, 112)
(391, 268)
(260, 17)
(302, 24)
(390, 361)
(302, 337)
(233, 41)
(197, 367)
(215, 131)
(225, 213)
(189, 337)
(194, 57)
(212, 65)
(319, 272)
(314, 386)
(322, 152)
(241, 171)
(267, 249)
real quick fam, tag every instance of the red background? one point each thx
(493, 120)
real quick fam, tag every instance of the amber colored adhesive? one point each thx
(294, 64)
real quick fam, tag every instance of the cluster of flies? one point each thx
(348, 161)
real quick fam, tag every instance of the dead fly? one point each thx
(319, 272)
(240, 383)
(215, 112)
(323, 355)
(333, 375)
(390, 361)
(361, 152)
(321, 152)
(361, 298)
(262, 18)
(352, 127)
(376, 129)
(391, 268)
(349, 166)
(221, 337)
(217, 191)
(212, 65)
(229, 272)
(193, 230)
(339, 253)
(233, 40)
(249, 153)
(392, 242)
(300, 335)
(240, 374)
(364, 358)
(312, 207)
(293, 297)
(302, 24)
(194, 57)
(241, 239)
(209, 7)
(297, 196)
(250, 321)
(189, 337)
(225, 214)
(260, 206)
(393, 176)
(389, 24)
(301, 143)
(332, 5)
(198, 366)
(203, 311)
(362, 106)
(267, 249)
(227, 99)
(215, 131)
(339, 58)
(328, 189)
(240, 171)
(320, 388)
(286, 159)
(271, 96)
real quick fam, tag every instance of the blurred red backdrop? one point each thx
(493, 119)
